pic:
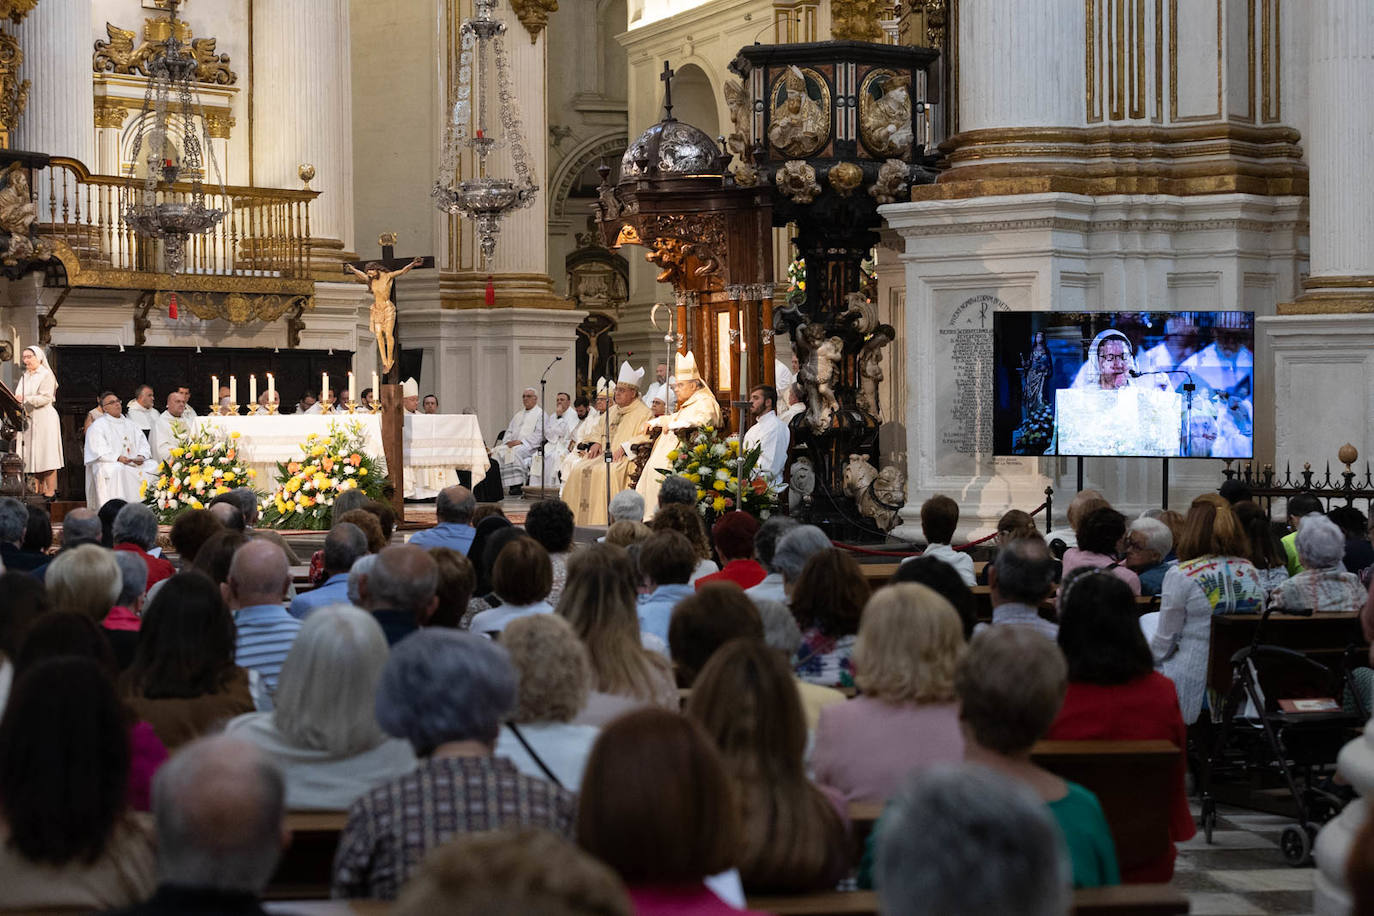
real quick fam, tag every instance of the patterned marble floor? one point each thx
(1242, 872)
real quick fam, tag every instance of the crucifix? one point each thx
(667, 77)
(380, 278)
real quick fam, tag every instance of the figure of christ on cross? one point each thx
(380, 277)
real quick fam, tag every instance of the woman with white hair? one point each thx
(1148, 541)
(447, 693)
(324, 732)
(1323, 585)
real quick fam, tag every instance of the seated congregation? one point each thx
(668, 720)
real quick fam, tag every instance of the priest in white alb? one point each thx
(585, 489)
(118, 457)
(697, 407)
(520, 441)
(769, 433)
(172, 424)
(558, 428)
(590, 429)
(142, 411)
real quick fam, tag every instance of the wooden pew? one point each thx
(1126, 900)
(1323, 637)
(308, 863)
(1133, 780)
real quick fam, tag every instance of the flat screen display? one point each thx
(1124, 384)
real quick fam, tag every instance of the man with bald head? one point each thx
(453, 510)
(520, 441)
(219, 803)
(258, 580)
(228, 515)
(400, 590)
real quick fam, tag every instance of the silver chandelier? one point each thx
(158, 210)
(483, 198)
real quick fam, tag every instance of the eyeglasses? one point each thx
(1112, 357)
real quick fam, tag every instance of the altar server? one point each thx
(769, 433)
(520, 441)
(117, 456)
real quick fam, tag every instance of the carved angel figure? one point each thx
(799, 126)
(871, 369)
(796, 181)
(820, 357)
(741, 117)
(892, 181)
(17, 216)
(878, 494)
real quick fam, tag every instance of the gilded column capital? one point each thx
(110, 114)
(534, 15)
(218, 124)
(16, 10)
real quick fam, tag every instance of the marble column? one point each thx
(60, 118)
(1029, 70)
(1341, 182)
(302, 114)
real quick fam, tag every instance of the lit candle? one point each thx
(352, 389)
(376, 388)
(271, 388)
(324, 391)
(253, 391)
(214, 394)
(233, 389)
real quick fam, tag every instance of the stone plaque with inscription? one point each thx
(964, 386)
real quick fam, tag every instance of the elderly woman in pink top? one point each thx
(1101, 545)
(906, 719)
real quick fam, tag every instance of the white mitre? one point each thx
(629, 376)
(410, 388)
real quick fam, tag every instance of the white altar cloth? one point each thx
(429, 441)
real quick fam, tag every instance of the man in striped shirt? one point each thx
(258, 580)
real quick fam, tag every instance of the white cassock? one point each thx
(166, 429)
(591, 428)
(107, 441)
(773, 437)
(515, 462)
(144, 417)
(1228, 374)
(557, 431)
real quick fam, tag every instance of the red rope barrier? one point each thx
(869, 551)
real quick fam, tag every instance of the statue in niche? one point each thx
(18, 213)
(885, 113)
(819, 356)
(597, 286)
(1037, 370)
(383, 323)
(871, 369)
(800, 124)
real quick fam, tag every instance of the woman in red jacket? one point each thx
(1115, 693)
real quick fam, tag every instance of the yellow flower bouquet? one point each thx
(713, 462)
(328, 466)
(202, 465)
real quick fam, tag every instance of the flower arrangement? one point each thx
(713, 463)
(796, 282)
(202, 465)
(329, 465)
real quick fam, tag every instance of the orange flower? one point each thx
(355, 459)
(230, 454)
(760, 485)
(328, 464)
(293, 468)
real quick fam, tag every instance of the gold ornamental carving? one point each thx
(219, 124)
(885, 113)
(239, 308)
(796, 181)
(844, 177)
(14, 93)
(800, 122)
(16, 10)
(534, 15)
(123, 54)
(857, 20)
(110, 114)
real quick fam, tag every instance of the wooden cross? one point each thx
(393, 420)
(667, 77)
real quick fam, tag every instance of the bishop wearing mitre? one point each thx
(585, 483)
(696, 407)
(117, 455)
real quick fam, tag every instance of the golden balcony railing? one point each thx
(262, 244)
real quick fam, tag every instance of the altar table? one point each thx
(430, 442)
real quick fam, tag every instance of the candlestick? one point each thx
(271, 394)
(233, 389)
(324, 392)
(253, 390)
(376, 389)
(214, 394)
(351, 404)
(352, 390)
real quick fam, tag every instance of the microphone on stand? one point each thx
(543, 426)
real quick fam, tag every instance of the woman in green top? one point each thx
(1010, 684)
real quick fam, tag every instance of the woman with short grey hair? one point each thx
(1148, 541)
(794, 549)
(323, 731)
(446, 692)
(1323, 585)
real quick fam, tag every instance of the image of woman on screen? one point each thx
(1106, 412)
